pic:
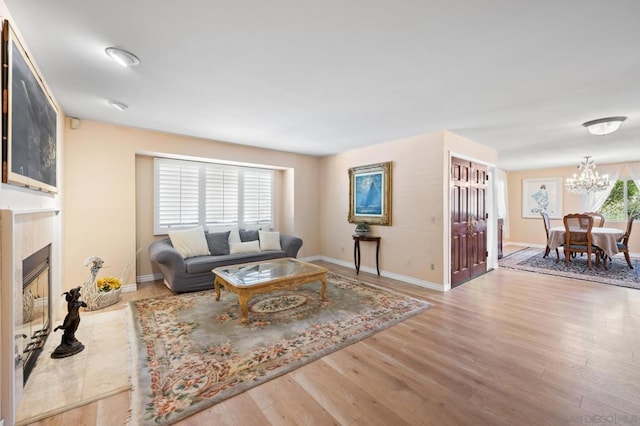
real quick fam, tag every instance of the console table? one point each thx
(356, 250)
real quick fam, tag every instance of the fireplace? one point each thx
(30, 278)
(33, 320)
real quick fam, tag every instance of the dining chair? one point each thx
(547, 226)
(623, 244)
(579, 241)
(598, 219)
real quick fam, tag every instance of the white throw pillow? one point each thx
(269, 240)
(190, 242)
(246, 247)
(234, 236)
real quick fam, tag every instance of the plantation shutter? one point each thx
(257, 196)
(221, 194)
(177, 196)
(189, 193)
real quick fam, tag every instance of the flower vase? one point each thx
(96, 299)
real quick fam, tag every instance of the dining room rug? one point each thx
(618, 273)
(191, 351)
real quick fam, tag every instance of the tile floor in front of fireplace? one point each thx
(100, 369)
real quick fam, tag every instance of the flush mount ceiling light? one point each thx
(604, 126)
(124, 58)
(118, 105)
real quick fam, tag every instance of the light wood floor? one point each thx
(508, 348)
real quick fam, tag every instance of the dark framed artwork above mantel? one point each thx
(370, 194)
(29, 120)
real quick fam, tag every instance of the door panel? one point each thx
(468, 220)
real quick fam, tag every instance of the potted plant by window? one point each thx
(363, 228)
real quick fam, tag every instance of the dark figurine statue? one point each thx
(70, 345)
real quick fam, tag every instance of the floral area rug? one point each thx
(191, 352)
(618, 273)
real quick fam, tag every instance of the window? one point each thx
(623, 201)
(189, 193)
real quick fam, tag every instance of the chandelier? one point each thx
(589, 179)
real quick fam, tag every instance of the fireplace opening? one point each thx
(33, 321)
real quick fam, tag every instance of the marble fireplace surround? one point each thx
(23, 232)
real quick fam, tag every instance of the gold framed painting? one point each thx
(370, 194)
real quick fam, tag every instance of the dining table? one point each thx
(605, 238)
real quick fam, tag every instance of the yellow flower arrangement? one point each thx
(108, 283)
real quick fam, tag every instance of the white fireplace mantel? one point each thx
(22, 232)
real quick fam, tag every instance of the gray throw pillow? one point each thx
(218, 243)
(249, 235)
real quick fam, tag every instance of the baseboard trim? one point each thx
(129, 287)
(311, 258)
(148, 278)
(515, 243)
(392, 275)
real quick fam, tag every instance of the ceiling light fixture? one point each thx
(589, 180)
(124, 58)
(118, 105)
(604, 126)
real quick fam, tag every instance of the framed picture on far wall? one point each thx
(542, 195)
(29, 120)
(370, 194)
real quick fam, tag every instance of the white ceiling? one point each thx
(328, 76)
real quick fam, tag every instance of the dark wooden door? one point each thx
(468, 220)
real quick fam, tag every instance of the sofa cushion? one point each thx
(204, 264)
(269, 240)
(218, 242)
(190, 242)
(245, 247)
(249, 235)
(197, 265)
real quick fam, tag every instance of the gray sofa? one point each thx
(194, 273)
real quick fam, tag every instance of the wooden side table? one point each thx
(356, 250)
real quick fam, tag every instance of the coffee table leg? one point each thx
(243, 299)
(216, 286)
(323, 292)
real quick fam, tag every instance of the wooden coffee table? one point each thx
(248, 279)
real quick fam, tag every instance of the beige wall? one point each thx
(418, 236)
(105, 190)
(144, 214)
(316, 212)
(530, 231)
(99, 207)
(108, 210)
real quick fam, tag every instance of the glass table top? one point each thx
(262, 272)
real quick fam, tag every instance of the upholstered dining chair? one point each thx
(598, 219)
(579, 241)
(623, 244)
(547, 226)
